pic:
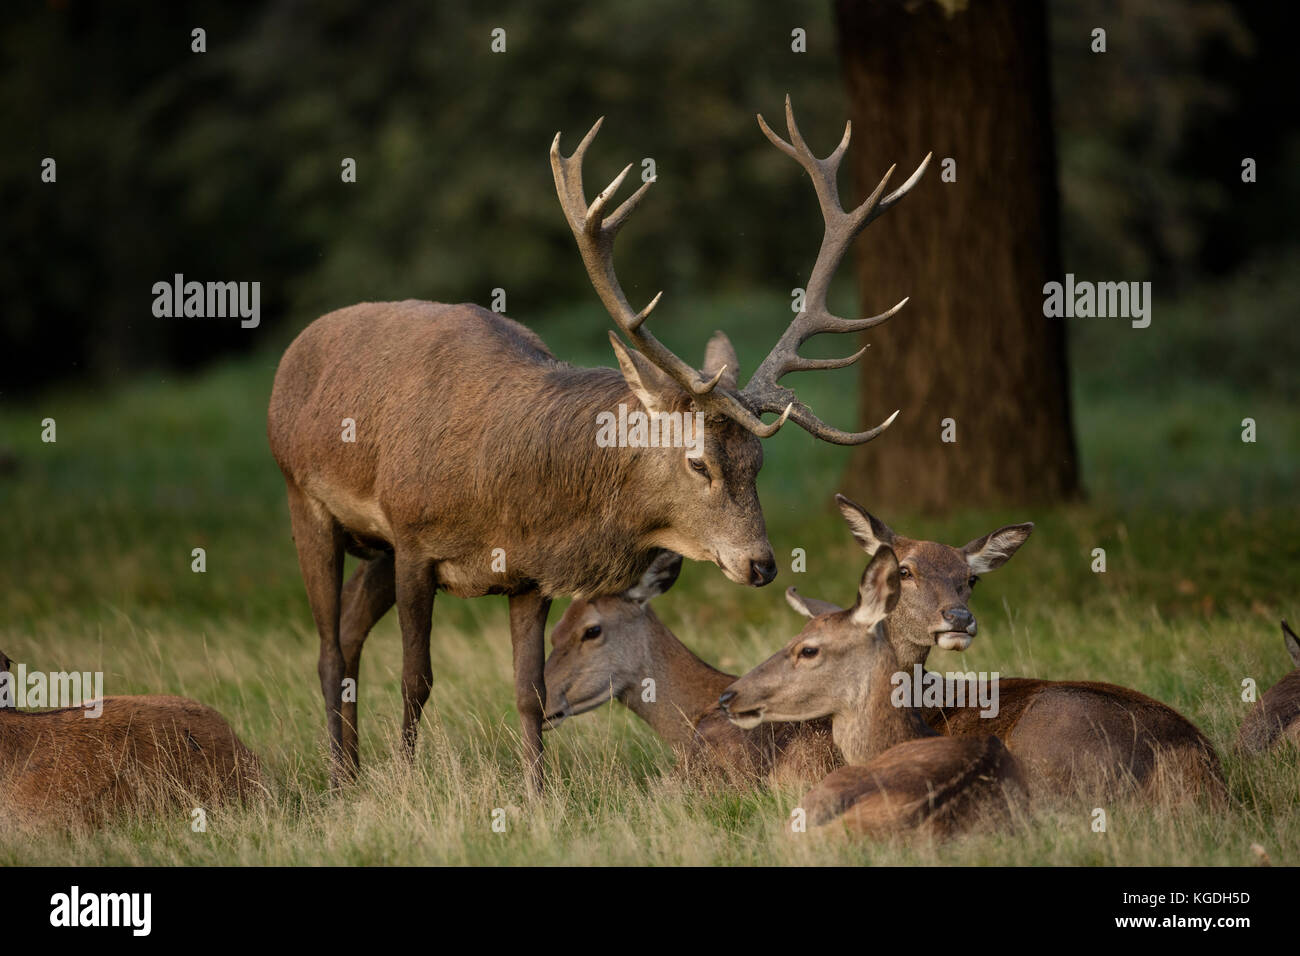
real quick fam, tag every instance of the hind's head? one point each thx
(936, 581)
(828, 668)
(602, 646)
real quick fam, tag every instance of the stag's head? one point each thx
(936, 581)
(829, 667)
(706, 489)
(602, 646)
(718, 515)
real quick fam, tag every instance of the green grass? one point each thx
(1200, 530)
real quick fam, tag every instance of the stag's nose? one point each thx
(958, 618)
(762, 571)
(727, 697)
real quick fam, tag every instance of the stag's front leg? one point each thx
(415, 589)
(367, 596)
(528, 637)
(319, 541)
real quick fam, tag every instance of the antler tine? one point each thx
(762, 391)
(615, 222)
(800, 364)
(775, 138)
(837, 154)
(595, 237)
(823, 172)
(596, 211)
(804, 418)
(796, 138)
(834, 324)
(884, 205)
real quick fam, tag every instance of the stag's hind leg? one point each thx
(416, 584)
(367, 596)
(528, 639)
(319, 540)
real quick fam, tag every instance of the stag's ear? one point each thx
(720, 352)
(809, 607)
(996, 548)
(658, 578)
(650, 384)
(7, 665)
(878, 592)
(870, 532)
(1288, 636)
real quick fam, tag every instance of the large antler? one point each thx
(595, 234)
(762, 393)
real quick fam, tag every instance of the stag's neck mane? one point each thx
(554, 446)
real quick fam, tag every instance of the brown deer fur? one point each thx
(470, 437)
(1071, 736)
(1083, 737)
(1275, 716)
(901, 776)
(141, 753)
(605, 647)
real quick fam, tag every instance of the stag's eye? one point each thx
(699, 467)
(808, 651)
(904, 572)
(591, 632)
(973, 581)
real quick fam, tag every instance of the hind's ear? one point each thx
(658, 578)
(996, 548)
(809, 607)
(1288, 636)
(7, 665)
(870, 532)
(878, 591)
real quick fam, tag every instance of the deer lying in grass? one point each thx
(901, 776)
(1071, 736)
(1276, 716)
(476, 467)
(606, 648)
(141, 753)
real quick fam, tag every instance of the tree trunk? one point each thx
(973, 344)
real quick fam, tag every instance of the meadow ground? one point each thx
(1201, 534)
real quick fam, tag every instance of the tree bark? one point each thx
(973, 344)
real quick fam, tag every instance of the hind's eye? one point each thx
(807, 651)
(973, 581)
(591, 632)
(904, 572)
(699, 467)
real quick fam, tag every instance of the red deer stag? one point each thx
(1070, 735)
(607, 647)
(475, 467)
(901, 776)
(1276, 717)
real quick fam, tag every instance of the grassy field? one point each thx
(1201, 532)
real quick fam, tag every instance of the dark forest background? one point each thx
(225, 165)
